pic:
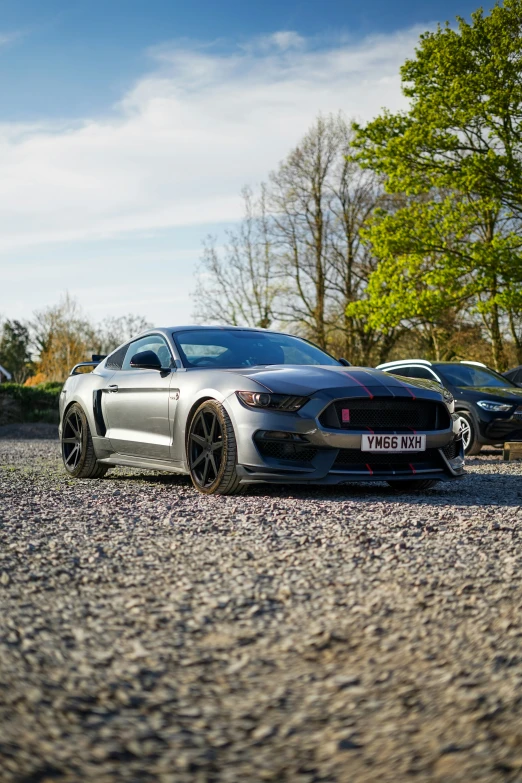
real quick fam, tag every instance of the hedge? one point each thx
(29, 403)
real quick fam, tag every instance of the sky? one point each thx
(129, 127)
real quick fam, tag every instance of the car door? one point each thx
(137, 404)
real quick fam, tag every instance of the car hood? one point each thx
(357, 381)
(508, 394)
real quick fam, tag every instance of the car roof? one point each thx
(168, 330)
(426, 363)
(201, 327)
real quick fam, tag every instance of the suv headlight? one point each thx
(494, 407)
(278, 402)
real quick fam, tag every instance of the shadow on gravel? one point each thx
(482, 489)
(150, 478)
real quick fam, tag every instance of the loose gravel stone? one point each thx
(148, 633)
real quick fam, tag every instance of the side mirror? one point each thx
(145, 360)
(344, 362)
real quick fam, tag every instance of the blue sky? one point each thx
(128, 127)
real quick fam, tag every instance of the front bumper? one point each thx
(335, 458)
(493, 429)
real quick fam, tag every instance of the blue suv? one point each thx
(489, 405)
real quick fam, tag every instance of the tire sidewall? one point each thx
(85, 438)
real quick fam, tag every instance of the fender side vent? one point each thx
(101, 429)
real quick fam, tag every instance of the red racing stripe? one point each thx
(412, 468)
(369, 468)
(406, 387)
(368, 392)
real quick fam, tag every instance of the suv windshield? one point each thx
(470, 375)
(231, 348)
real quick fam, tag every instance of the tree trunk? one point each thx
(497, 343)
(516, 337)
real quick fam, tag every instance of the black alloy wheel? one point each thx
(72, 440)
(212, 450)
(78, 454)
(206, 447)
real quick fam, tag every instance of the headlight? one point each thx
(494, 407)
(278, 402)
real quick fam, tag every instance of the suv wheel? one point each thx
(469, 435)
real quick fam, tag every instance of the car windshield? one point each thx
(470, 375)
(231, 348)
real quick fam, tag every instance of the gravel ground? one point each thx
(151, 634)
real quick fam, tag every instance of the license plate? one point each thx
(393, 443)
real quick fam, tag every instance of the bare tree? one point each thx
(238, 286)
(320, 202)
(299, 200)
(115, 330)
(354, 196)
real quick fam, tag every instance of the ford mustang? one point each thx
(235, 406)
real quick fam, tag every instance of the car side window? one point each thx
(115, 360)
(152, 342)
(403, 371)
(517, 378)
(421, 372)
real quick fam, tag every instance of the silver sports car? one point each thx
(232, 406)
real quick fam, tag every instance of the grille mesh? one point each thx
(287, 451)
(355, 457)
(451, 450)
(385, 415)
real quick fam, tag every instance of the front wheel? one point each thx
(411, 485)
(212, 451)
(78, 454)
(468, 432)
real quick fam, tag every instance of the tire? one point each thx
(78, 455)
(469, 435)
(212, 451)
(411, 485)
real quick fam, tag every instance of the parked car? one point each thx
(232, 406)
(514, 375)
(489, 405)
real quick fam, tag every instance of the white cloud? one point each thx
(180, 145)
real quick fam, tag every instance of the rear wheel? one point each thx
(212, 451)
(78, 454)
(469, 435)
(410, 485)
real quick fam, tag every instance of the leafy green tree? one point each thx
(455, 157)
(15, 353)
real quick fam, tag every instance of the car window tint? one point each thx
(115, 360)
(294, 355)
(152, 342)
(230, 348)
(470, 375)
(518, 378)
(204, 351)
(421, 372)
(402, 371)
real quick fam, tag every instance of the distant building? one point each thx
(5, 375)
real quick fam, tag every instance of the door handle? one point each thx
(113, 388)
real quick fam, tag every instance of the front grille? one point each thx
(286, 451)
(385, 415)
(347, 457)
